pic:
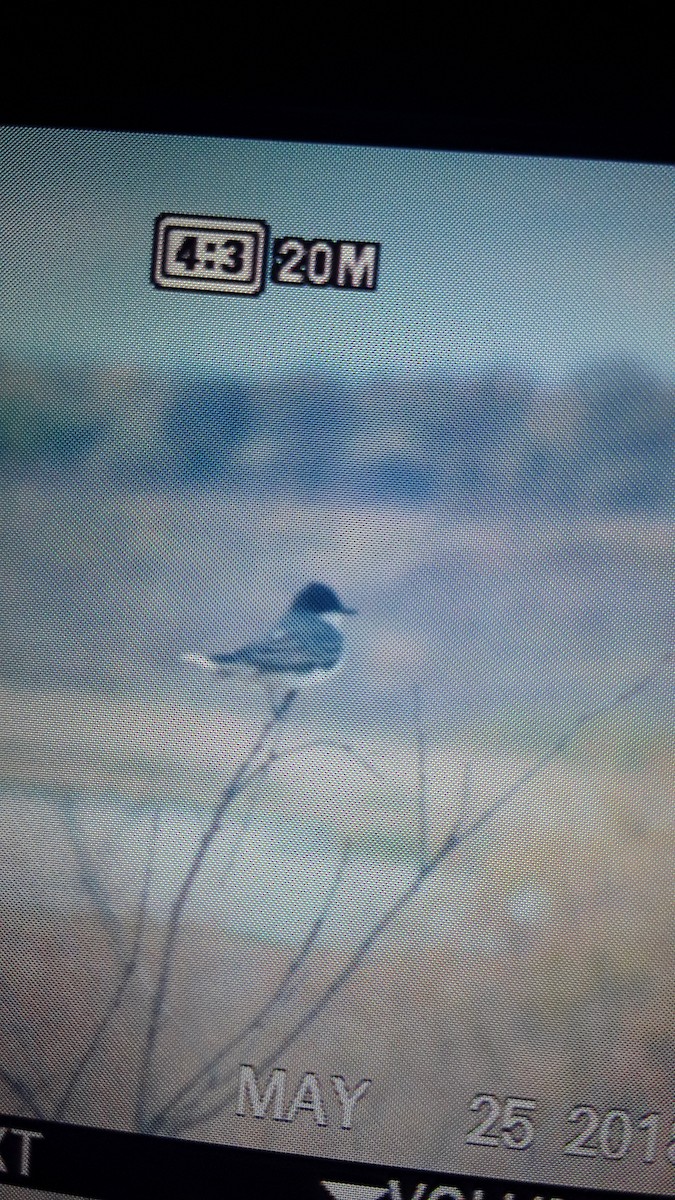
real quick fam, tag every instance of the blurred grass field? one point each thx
(537, 962)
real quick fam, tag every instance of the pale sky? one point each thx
(543, 261)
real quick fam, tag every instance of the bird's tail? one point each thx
(200, 660)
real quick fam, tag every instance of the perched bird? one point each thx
(305, 646)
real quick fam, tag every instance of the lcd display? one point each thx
(336, 670)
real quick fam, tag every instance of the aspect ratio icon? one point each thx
(209, 254)
(224, 254)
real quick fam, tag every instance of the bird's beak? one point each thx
(349, 612)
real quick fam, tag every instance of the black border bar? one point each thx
(107, 1165)
(567, 134)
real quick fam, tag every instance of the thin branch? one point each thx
(91, 883)
(22, 1092)
(422, 787)
(449, 844)
(239, 781)
(466, 793)
(335, 986)
(143, 906)
(128, 971)
(253, 777)
(23, 1037)
(561, 744)
(281, 995)
(96, 1040)
(256, 775)
(260, 770)
(279, 756)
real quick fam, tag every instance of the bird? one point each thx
(305, 646)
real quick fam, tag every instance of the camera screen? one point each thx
(336, 671)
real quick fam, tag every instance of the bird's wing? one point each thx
(293, 649)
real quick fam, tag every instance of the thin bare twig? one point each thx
(128, 971)
(464, 797)
(449, 844)
(281, 995)
(422, 789)
(239, 781)
(629, 693)
(91, 883)
(258, 773)
(23, 1038)
(22, 1092)
(327, 744)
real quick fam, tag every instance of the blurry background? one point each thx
(479, 457)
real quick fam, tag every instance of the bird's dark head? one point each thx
(321, 600)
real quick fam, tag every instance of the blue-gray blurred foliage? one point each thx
(203, 423)
(602, 438)
(628, 433)
(43, 422)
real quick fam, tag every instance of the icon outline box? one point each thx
(253, 232)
